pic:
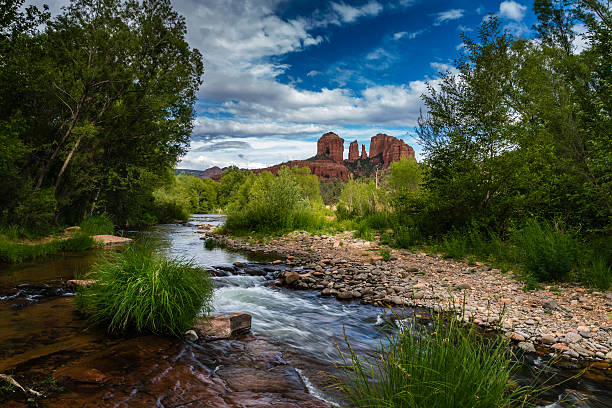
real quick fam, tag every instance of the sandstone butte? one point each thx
(329, 164)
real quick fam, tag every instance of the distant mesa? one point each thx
(211, 173)
(329, 163)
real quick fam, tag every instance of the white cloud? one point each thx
(480, 10)
(313, 73)
(512, 10)
(461, 27)
(460, 46)
(405, 34)
(581, 42)
(448, 15)
(349, 14)
(441, 67)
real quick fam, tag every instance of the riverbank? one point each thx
(561, 319)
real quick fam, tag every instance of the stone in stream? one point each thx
(291, 277)
(111, 239)
(223, 326)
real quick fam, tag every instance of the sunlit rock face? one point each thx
(328, 163)
(353, 150)
(391, 149)
(332, 146)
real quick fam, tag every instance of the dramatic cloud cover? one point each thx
(279, 73)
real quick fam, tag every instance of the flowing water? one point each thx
(308, 328)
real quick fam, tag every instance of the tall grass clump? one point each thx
(445, 366)
(597, 274)
(97, 225)
(146, 292)
(546, 251)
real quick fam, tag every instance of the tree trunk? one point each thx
(66, 162)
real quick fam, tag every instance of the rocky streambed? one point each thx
(565, 319)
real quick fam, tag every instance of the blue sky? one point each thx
(278, 74)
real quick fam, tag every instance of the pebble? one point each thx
(572, 337)
(191, 335)
(527, 347)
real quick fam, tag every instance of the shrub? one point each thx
(386, 254)
(406, 237)
(269, 204)
(140, 290)
(442, 367)
(546, 252)
(97, 225)
(597, 274)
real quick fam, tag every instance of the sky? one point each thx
(280, 73)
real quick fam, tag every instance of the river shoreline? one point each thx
(566, 320)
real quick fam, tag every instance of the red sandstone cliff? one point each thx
(328, 163)
(324, 169)
(353, 150)
(332, 146)
(391, 149)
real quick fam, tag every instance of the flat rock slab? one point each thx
(111, 239)
(223, 326)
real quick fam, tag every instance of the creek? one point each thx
(306, 327)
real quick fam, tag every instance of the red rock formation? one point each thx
(324, 169)
(332, 146)
(211, 172)
(390, 149)
(364, 155)
(353, 150)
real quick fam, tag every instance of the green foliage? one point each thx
(360, 198)
(546, 251)
(442, 367)
(145, 292)
(14, 252)
(406, 237)
(330, 191)
(268, 203)
(97, 225)
(81, 133)
(597, 274)
(386, 254)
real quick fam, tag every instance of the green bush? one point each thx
(406, 237)
(36, 213)
(146, 292)
(386, 254)
(97, 225)
(546, 252)
(269, 204)
(446, 366)
(597, 274)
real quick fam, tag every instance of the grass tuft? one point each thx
(447, 365)
(146, 292)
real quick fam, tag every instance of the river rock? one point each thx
(191, 335)
(345, 295)
(527, 346)
(572, 337)
(223, 326)
(609, 357)
(549, 339)
(291, 277)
